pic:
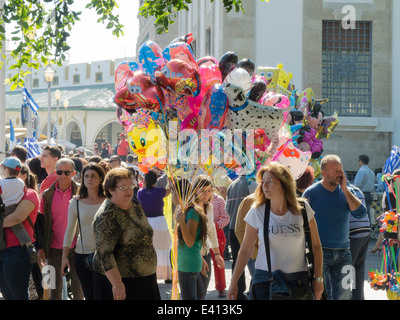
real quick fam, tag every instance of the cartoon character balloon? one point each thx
(292, 157)
(214, 109)
(227, 63)
(180, 51)
(140, 91)
(124, 117)
(148, 143)
(150, 57)
(122, 71)
(179, 78)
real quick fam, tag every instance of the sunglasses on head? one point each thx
(60, 172)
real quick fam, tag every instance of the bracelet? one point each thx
(115, 287)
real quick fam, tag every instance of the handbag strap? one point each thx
(79, 223)
(266, 236)
(307, 233)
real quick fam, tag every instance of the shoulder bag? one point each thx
(89, 257)
(281, 284)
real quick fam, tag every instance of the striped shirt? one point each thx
(221, 217)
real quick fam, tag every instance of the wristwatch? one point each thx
(319, 279)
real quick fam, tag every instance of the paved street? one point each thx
(373, 261)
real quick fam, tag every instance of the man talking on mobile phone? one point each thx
(333, 203)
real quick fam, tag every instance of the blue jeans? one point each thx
(336, 264)
(15, 269)
(191, 285)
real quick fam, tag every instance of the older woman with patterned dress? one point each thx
(125, 260)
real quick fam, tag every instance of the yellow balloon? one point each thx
(148, 143)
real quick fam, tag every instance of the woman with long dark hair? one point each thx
(81, 212)
(192, 236)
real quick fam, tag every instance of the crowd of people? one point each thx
(101, 222)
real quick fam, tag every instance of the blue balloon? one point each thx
(150, 58)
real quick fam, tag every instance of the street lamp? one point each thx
(48, 75)
(31, 34)
(57, 95)
(66, 102)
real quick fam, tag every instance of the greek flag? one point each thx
(28, 100)
(12, 137)
(54, 133)
(32, 147)
(393, 162)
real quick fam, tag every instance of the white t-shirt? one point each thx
(286, 239)
(11, 191)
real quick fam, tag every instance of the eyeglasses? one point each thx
(125, 188)
(60, 172)
(270, 182)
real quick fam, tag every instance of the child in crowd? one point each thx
(12, 190)
(192, 235)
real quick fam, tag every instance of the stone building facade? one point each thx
(355, 68)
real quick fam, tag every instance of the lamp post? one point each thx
(66, 102)
(48, 75)
(31, 34)
(57, 95)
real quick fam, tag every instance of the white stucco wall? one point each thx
(279, 37)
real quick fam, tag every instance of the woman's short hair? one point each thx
(283, 174)
(113, 177)
(83, 191)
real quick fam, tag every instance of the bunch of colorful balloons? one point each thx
(171, 87)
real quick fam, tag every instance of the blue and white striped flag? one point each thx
(28, 100)
(54, 133)
(393, 162)
(32, 147)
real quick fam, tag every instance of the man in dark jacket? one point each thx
(54, 207)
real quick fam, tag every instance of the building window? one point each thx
(99, 76)
(35, 83)
(347, 68)
(56, 81)
(77, 79)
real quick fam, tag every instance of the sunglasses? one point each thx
(60, 172)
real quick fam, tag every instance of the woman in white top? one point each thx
(89, 199)
(286, 237)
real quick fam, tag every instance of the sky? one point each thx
(91, 41)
